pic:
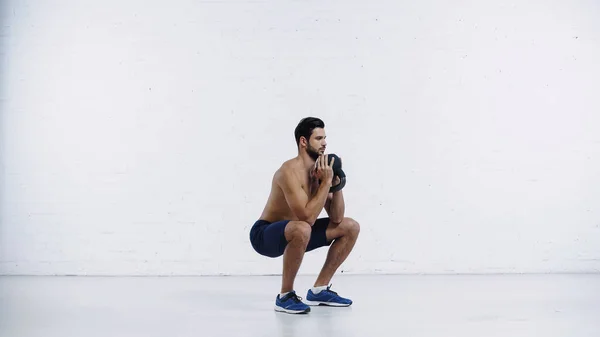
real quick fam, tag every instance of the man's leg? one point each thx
(287, 238)
(297, 233)
(345, 235)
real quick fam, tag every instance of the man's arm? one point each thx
(304, 209)
(335, 206)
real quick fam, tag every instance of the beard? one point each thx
(312, 152)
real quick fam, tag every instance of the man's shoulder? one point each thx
(288, 170)
(290, 165)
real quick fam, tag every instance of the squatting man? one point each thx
(289, 225)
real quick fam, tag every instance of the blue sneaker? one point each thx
(291, 303)
(327, 297)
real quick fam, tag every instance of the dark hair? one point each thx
(306, 126)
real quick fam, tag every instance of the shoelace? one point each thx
(295, 297)
(331, 291)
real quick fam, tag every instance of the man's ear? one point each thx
(303, 141)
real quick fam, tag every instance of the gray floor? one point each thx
(509, 305)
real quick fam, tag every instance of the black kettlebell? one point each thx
(337, 172)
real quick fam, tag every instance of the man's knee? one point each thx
(352, 226)
(298, 230)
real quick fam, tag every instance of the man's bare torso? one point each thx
(277, 207)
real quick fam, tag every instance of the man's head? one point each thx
(310, 135)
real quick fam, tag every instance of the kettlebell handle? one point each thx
(339, 186)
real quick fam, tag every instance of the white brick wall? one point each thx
(469, 132)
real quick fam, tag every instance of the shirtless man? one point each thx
(289, 224)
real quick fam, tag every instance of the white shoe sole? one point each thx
(330, 304)
(280, 309)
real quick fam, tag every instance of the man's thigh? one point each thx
(270, 239)
(318, 235)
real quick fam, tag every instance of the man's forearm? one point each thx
(315, 205)
(337, 207)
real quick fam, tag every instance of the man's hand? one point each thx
(314, 180)
(324, 170)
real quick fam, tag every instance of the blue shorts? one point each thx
(268, 239)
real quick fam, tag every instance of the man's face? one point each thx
(317, 143)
